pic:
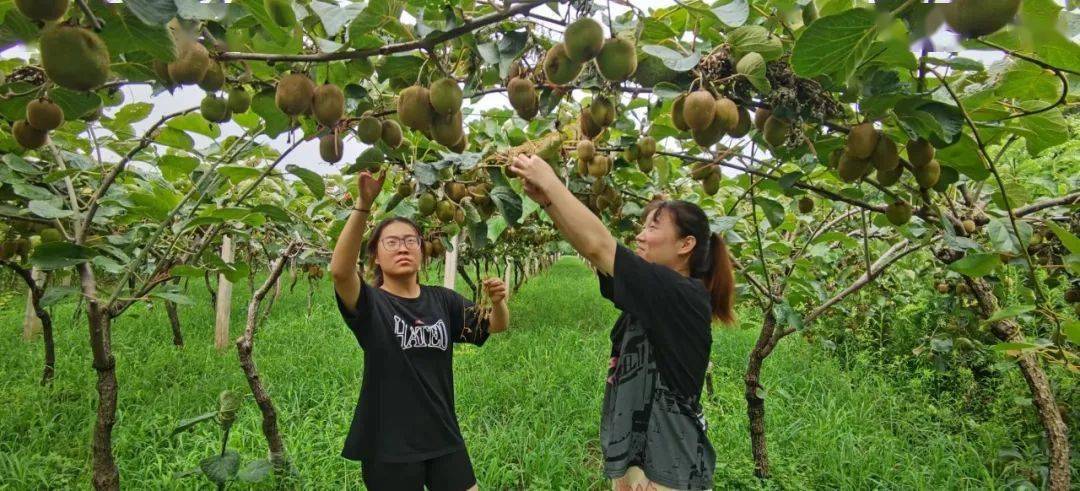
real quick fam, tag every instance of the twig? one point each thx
(94, 21)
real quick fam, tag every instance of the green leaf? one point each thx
(938, 122)
(276, 121)
(508, 202)
(1012, 346)
(75, 104)
(153, 12)
(255, 471)
(976, 265)
(46, 209)
(221, 468)
(752, 66)
(673, 59)
(1072, 331)
(195, 123)
(313, 181)
(175, 138)
(1003, 238)
(1040, 131)
(1009, 313)
(55, 294)
(1070, 241)
(238, 173)
(835, 45)
(734, 13)
(126, 33)
(174, 167)
(773, 210)
(750, 39)
(174, 297)
(334, 17)
(187, 424)
(61, 254)
(187, 271)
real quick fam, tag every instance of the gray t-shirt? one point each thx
(652, 416)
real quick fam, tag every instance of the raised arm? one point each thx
(579, 226)
(347, 250)
(500, 313)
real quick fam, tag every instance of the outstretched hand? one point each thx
(536, 175)
(495, 290)
(369, 187)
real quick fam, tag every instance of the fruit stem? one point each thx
(94, 21)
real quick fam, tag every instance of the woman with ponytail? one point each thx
(652, 431)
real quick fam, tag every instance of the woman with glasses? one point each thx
(404, 430)
(652, 432)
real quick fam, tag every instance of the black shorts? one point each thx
(451, 472)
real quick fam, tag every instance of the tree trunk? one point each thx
(32, 322)
(450, 263)
(244, 347)
(106, 476)
(1042, 395)
(174, 321)
(224, 298)
(755, 404)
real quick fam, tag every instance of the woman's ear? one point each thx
(687, 246)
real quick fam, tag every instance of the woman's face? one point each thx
(399, 250)
(659, 241)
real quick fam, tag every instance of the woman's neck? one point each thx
(406, 286)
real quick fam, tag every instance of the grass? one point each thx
(528, 402)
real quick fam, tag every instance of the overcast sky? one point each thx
(307, 154)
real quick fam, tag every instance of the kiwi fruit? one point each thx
(646, 147)
(456, 191)
(677, 113)
(460, 145)
(405, 188)
(191, 63)
(43, 10)
(702, 170)
(969, 226)
(391, 133)
(885, 155)
(294, 93)
(161, 70)
(589, 127)
(369, 130)
(523, 98)
(586, 150)
(584, 39)
(862, 140)
(973, 18)
(632, 152)
(776, 130)
(445, 96)
(928, 175)
(74, 58)
(281, 12)
(889, 177)
(711, 184)
(898, 213)
(328, 104)
(742, 127)
(426, 204)
(215, 109)
(761, 116)
(699, 110)
(602, 111)
(806, 204)
(447, 129)
(330, 148)
(214, 79)
(50, 235)
(710, 135)
(727, 112)
(920, 152)
(239, 100)
(558, 67)
(617, 59)
(599, 166)
(27, 136)
(851, 168)
(414, 108)
(44, 115)
(459, 216)
(645, 164)
(445, 211)
(943, 288)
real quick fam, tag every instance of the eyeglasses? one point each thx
(411, 242)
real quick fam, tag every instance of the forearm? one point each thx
(581, 228)
(500, 317)
(347, 250)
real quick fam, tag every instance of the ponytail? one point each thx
(720, 281)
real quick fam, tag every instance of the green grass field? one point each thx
(528, 402)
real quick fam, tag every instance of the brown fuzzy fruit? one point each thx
(599, 166)
(742, 127)
(73, 57)
(852, 169)
(920, 152)
(973, 18)
(414, 108)
(445, 96)
(589, 128)
(711, 184)
(699, 109)
(889, 177)
(522, 95)
(862, 140)
(776, 130)
(1072, 295)
(27, 136)
(602, 111)
(885, 155)
(586, 150)
(677, 114)
(617, 59)
(460, 145)
(330, 148)
(43, 10)
(969, 226)
(943, 287)
(445, 210)
(806, 205)
(447, 130)
(191, 63)
(426, 204)
(928, 175)
(294, 93)
(44, 115)
(456, 191)
(727, 113)
(898, 213)
(214, 79)
(558, 67)
(646, 147)
(368, 129)
(584, 39)
(391, 133)
(710, 135)
(761, 116)
(646, 164)
(161, 70)
(328, 104)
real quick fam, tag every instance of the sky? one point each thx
(307, 154)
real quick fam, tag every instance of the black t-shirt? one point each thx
(652, 416)
(406, 407)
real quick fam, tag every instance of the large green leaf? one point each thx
(255, 471)
(673, 59)
(835, 45)
(153, 12)
(222, 468)
(61, 254)
(125, 33)
(1040, 131)
(938, 122)
(976, 265)
(313, 181)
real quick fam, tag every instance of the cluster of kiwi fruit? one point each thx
(72, 57)
(973, 18)
(433, 247)
(583, 41)
(194, 66)
(597, 116)
(605, 197)
(369, 129)
(522, 93)
(42, 116)
(297, 95)
(709, 118)
(436, 112)
(27, 236)
(642, 153)
(708, 174)
(590, 162)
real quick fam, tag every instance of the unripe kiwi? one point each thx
(602, 111)
(460, 145)
(328, 104)
(920, 152)
(928, 175)
(599, 166)
(702, 170)
(862, 140)
(776, 130)
(43, 10)
(50, 235)
(645, 164)
(73, 57)
(444, 210)
(898, 213)
(459, 216)
(523, 98)
(851, 168)
(589, 127)
(584, 39)
(969, 226)
(742, 127)
(294, 94)
(646, 147)
(405, 187)
(710, 134)
(214, 79)
(711, 184)
(331, 148)
(391, 133)
(447, 129)
(885, 154)
(414, 108)
(586, 150)
(699, 109)
(445, 96)
(558, 67)
(215, 109)
(806, 205)
(280, 12)
(617, 59)
(191, 63)
(973, 18)
(677, 113)
(44, 115)
(239, 100)
(426, 204)
(727, 113)
(27, 136)
(761, 116)
(368, 129)
(889, 177)
(456, 191)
